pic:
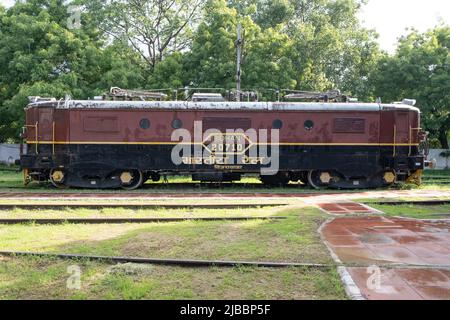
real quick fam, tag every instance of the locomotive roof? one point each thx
(226, 105)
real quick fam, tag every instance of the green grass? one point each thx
(10, 179)
(38, 278)
(292, 239)
(431, 173)
(295, 239)
(436, 178)
(415, 211)
(141, 213)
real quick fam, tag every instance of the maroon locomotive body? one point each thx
(108, 144)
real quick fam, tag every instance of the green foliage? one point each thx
(153, 28)
(168, 73)
(420, 70)
(288, 44)
(211, 60)
(331, 49)
(316, 45)
(40, 56)
(294, 44)
(123, 68)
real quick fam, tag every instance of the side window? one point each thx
(177, 124)
(144, 123)
(277, 124)
(309, 125)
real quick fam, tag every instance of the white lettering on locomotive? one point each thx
(232, 147)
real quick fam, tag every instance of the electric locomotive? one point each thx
(121, 142)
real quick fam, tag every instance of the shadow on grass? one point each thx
(293, 239)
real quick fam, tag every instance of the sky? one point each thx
(390, 18)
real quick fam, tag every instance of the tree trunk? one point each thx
(443, 139)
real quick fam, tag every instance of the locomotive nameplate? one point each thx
(227, 143)
(226, 151)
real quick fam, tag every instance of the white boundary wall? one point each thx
(9, 153)
(440, 161)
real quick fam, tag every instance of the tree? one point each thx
(168, 74)
(420, 69)
(329, 48)
(154, 28)
(40, 56)
(121, 67)
(273, 13)
(35, 49)
(332, 49)
(211, 61)
(265, 13)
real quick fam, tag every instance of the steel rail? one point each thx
(212, 263)
(202, 186)
(55, 206)
(127, 220)
(416, 202)
(436, 183)
(160, 261)
(138, 195)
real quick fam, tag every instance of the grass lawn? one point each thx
(294, 239)
(37, 278)
(415, 211)
(433, 173)
(141, 213)
(9, 178)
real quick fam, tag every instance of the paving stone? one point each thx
(382, 240)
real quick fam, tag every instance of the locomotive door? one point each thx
(45, 126)
(401, 130)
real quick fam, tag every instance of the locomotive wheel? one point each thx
(389, 177)
(58, 178)
(131, 179)
(320, 179)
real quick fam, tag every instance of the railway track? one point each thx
(173, 262)
(208, 263)
(440, 183)
(128, 195)
(56, 206)
(413, 202)
(197, 186)
(436, 178)
(126, 220)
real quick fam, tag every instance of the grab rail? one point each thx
(36, 132)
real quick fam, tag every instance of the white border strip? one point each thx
(351, 289)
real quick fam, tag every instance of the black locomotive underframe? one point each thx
(85, 163)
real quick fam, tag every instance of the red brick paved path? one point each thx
(380, 240)
(346, 208)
